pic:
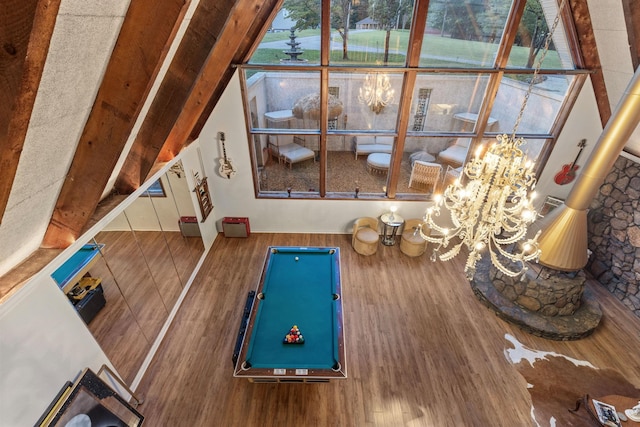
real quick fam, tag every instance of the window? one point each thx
(155, 190)
(460, 80)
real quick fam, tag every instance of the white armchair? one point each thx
(456, 154)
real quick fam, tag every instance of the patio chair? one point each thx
(424, 175)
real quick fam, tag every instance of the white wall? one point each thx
(193, 161)
(43, 344)
(583, 122)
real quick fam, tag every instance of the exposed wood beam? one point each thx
(244, 52)
(631, 10)
(589, 51)
(236, 29)
(201, 35)
(13, 280)
(25, 32)
(147, 31)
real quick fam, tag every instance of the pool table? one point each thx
(299, 286)
(79, 264)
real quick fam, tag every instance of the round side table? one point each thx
(391, 222)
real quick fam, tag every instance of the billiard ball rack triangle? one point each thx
(294, 336)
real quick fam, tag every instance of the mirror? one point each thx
(182, 235)
(147, 255)
(139, 300)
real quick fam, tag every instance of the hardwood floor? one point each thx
(421, 349)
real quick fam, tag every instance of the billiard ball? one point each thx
(296, 258)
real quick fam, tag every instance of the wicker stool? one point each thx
(365, 237)
(411, 243)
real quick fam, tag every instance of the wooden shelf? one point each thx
(204, 198)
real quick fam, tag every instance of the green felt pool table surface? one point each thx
(69, 273)
(298, 286)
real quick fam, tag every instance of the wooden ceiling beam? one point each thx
(219, 35)
(589, 51)
(236, 29)
(204, 30)
(631, 9)
(245, 49)
(26, 27)
(149, 27)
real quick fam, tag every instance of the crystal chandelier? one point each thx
(376, 91)
(491, 210)
(491, 203)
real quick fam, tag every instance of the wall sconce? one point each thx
(226, 167)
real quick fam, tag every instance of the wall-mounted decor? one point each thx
(226, 167)
(204, 198)
(568, 172)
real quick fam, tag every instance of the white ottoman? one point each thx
(378, 162)
(423, 156)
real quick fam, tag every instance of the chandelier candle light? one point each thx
(376, 92)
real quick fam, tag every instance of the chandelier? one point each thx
(491, 210)
(491, 203)
(376, 91)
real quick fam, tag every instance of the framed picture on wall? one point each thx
(89, 402)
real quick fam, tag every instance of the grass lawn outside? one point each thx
(442, 51)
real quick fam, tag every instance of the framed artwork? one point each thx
(89, 402)
(606, 413)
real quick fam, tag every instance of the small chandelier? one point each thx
(492, 210)
(376, 92)
(490, 205)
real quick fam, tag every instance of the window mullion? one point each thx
(325, 36)
(510, 33)
(402, 124)
(416, 37)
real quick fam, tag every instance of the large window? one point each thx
(346, 105)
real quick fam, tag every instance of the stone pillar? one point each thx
(557, 294)
(614, 233)
(551, 305)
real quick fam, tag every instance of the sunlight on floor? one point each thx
(389, 411)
